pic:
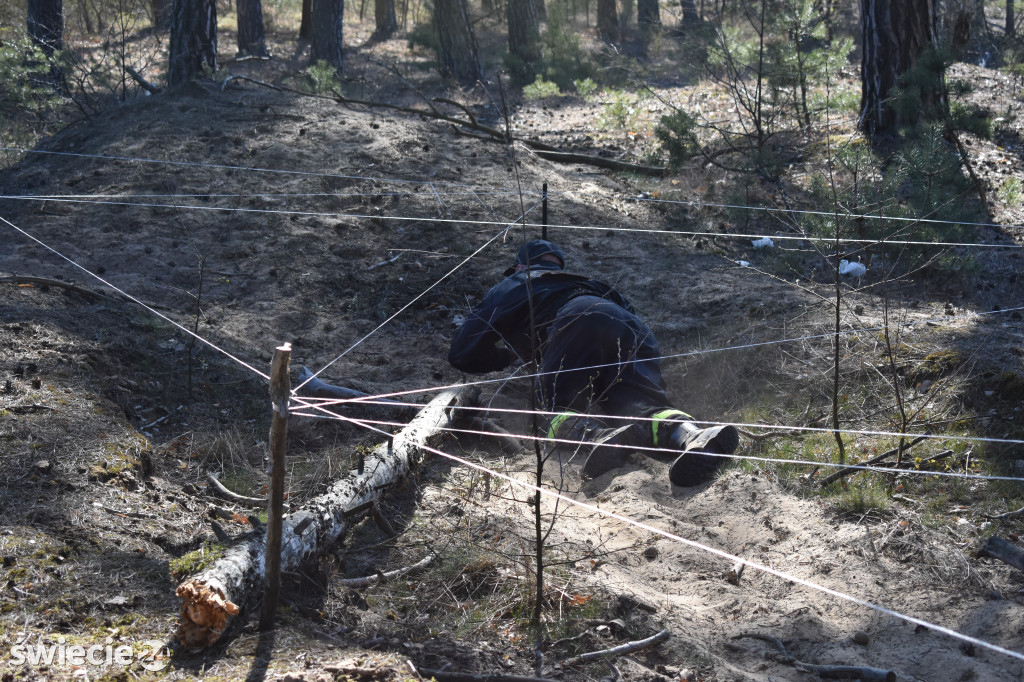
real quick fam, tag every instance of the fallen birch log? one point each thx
(211, 598)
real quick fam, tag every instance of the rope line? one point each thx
(333, 416)
(135, 300)
(647, 199)
(250, 169)
(593, 228)
(693, 353)
(423, 293)
(714, 550)
(314, 401)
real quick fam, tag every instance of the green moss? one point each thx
(936, 365)
(194, 562)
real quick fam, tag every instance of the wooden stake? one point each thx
(280, 391)
(544, 211)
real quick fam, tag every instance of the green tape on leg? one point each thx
(658, 417)
(556, 422)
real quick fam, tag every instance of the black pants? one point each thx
(600, 358)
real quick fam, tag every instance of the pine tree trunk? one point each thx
(1011, 29)
(306, 23)
(251, 37)
(523, 30)
(648, 16)
(161, 12)
(607, 20)
(458, 56)
(193, 40)
(386, 21)
(690, 14)
(327, 20)
(46, 24)
(894, 34)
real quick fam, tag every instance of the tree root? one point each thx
(835, 672)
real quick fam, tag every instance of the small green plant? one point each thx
(621, 110)
(540, 89)
(323, 78)
(677, 135)
(1011, 192)
(585, 87)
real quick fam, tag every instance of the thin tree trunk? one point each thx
(523, 30)
(46, 24)
(1011, 29)
(251, 36)
(607, 20)
(306, 24)
(690, 14)
(458, 55)
(648, 17)
(328, 17)
(193, 40)
(386, 21)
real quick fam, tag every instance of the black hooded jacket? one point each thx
(504, 316)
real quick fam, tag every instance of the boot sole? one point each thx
(693, 467)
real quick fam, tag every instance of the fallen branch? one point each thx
(1003, 550)
(627, 648)
(371, 580)
(843, 473)
(1006, 515)
(44, 281)
(840, 672)
(381, 264)
(219, 488)
(321, 389)
(143, 83)
(445, 676)
(543, 150)
(213, 597)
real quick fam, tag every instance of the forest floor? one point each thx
(257, 216)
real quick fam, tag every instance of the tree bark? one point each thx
(648, 16)
(161, 13)
(306, 23)
(328, 17)
(386, 21)
(1010, 29)
(523, 30)
(251, 36)
(607, 20)
(193, 40)
(894, 34)
(690, 14)
(458, 55)
(214, 596)
(46, 24)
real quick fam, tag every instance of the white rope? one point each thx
(423, 293)
(304, 405)
(202, 340)
(250, 169)
(591, 228)
(695, 353)
(713, 550)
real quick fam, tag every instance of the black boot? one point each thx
(601, 444)
(698, 463)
